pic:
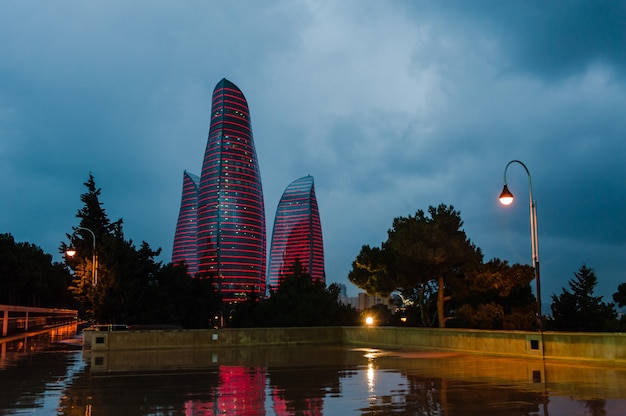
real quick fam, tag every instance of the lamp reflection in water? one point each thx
(506, 198)
(370, 377)
(371, 374)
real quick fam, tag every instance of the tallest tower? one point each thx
(231, 213)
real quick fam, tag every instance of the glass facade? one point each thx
(231, 234)
(185, 238)
(297, 234)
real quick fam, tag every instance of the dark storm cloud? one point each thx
(550, 39)
(392, 107)
(557, 39)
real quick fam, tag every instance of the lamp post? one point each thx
(506, 198)
(71, 252)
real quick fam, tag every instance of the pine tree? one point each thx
(93, 216)
(132, 287)
(578, 310)
(116, 262)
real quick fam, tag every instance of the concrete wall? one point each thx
(209, 338)
(576, 346)
(586, 346)
(506, 343)
(598, 347)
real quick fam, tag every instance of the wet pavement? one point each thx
(310, 380)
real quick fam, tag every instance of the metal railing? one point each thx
(23, 319)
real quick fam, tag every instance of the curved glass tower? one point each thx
(231, 213)
(297, 234)
(185, 247)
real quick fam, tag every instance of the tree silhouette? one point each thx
(620, 296)
(419, 250)
(127, 276)
(29, 277)
(578, 310)
(498, 296)
(298, 301)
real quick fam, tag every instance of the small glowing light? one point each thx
(403, 319)
(70, 252)
(506, 197)
(369, 321)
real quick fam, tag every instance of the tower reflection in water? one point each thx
(243, 391)
(240, 391)
(307, 380)
(317, 380)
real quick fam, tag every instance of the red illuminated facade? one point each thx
(231, 234)
(241, 391)
(185, 238)
(297, 234)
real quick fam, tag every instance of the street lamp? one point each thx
(506, 198)
(71, 253)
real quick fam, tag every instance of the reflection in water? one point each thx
(303, 381)
(370, 377)
(18, 345)
(32, 376)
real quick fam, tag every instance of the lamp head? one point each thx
(506, 197)
(71, 252)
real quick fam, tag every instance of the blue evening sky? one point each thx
(392, 106)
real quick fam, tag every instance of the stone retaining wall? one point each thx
(208, 338)
(594, 347)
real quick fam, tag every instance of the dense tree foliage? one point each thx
(132, 287)
(172, 297)
(578, 309)
(620, 296)
(297, 302)
(497, 296)
(372, 270)
(419, 250)
(430, 261)
(29, 277)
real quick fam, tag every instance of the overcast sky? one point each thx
(392, 106)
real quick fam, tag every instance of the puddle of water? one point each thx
(319, 380)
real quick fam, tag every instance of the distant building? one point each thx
(297, 234)
(185, 249)
(343, 290)
(364, 301)
(367, 301)
(350, 301)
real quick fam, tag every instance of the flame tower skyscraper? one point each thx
(297, 234)
(185, 240)
(231, 234)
